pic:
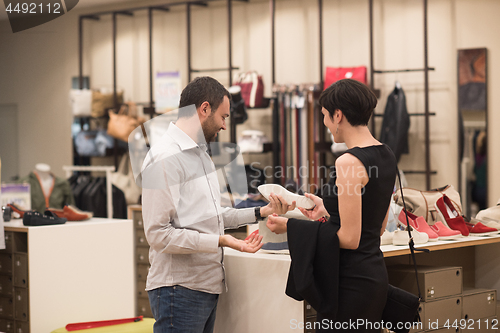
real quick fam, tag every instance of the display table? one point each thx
(256, 300)
(60, 274)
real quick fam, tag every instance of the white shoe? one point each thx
(301, 200)
(386, 238)
(401, 237)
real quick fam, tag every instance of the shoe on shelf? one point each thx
(450, 216)
(33, 218)
(480, 229)
(16, 209)
(418, 223)
(489, 222)
(387, 237)
(401, 237)
(71, 213)
(444, 232)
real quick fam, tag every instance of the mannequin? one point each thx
(47, 190)
(46, 179)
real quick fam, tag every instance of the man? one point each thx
(183, 220)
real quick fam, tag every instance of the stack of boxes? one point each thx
(446, 306)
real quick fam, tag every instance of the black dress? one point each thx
(362, 272)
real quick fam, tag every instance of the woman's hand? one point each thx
(318, 211)
(277, 205)
(252, 244)
(277, 224)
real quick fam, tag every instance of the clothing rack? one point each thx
(150, 109)
(109, 189)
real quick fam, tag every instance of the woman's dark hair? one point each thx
(203, 89)
(353, 98)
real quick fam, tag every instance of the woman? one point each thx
(356, 201)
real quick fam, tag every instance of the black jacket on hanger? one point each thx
(396, 123)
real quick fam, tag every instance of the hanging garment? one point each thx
(59, 196)
(90, 194)
(396, 123)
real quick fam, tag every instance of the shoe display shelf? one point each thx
(54, 275)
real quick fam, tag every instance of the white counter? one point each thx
(78, 271)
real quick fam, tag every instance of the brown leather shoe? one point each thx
(72, 213)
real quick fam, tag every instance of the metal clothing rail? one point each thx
(107, 169)
(427, 171)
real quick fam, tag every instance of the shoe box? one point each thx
(442, 312)
(435, 282)
(479, 303)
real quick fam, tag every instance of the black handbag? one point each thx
(401, 308)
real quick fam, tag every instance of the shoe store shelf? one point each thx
(394, 250)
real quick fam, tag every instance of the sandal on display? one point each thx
(16, 209)
(450, 216)
(418, 223)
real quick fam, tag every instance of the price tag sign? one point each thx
(168, 90)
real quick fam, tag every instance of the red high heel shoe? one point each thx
(16, 209)
(450, 216)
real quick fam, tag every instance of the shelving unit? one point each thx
(426, 114)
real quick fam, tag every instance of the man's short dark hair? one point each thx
(203, 89)
(353, 98)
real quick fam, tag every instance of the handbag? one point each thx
(121, 124)
(104, 101)
(401, 308)
(422, 203)
(252, 88)
(124, 179)
(334, 74)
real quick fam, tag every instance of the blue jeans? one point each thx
(178, 309)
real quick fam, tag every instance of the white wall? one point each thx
(37, 64)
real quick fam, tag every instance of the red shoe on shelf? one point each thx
(444, 232)
(16, 209)
(418, 223)
(450, 216)
(480, 229)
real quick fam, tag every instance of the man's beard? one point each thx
(209, 131)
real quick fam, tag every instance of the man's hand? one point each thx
(250, 245)
(277, 224)
(277, 205)
(318, 211)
